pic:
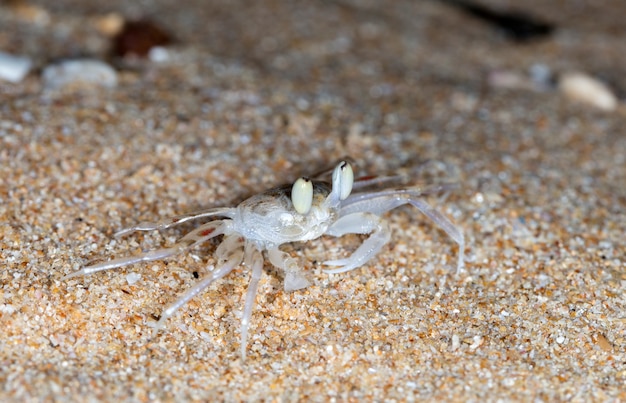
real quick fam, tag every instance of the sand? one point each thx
(253, 95)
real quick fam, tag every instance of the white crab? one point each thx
(304, 211)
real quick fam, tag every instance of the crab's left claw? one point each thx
(359, 223)
(380, 202)
(294, 278)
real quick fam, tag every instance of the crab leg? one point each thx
(199, 235)
(445, 224)
(170, 222)
(233, 260)
(381, 202)
(254, 260)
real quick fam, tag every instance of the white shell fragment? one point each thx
(583, 88)
(81, 71)
(159, 54)
(302, 195)
(13, 68)
(132, 278)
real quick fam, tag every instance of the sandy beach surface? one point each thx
(242, 96)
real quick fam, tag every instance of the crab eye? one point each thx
(343, 179)
(302, 195)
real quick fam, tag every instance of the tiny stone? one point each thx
(456, 343)
(158, 54)
(83, 71)
(13, 68)
(132, 278)
(585, 89)
(110, 24)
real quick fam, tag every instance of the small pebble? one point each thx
(109, 24)
(159, 54)
(585, 89)
(456, 342)
(542, 76)
(89, 72)
(508, 79)
(132, 278)
(13, 68)
(539, 78)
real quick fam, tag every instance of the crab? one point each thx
(300, 212)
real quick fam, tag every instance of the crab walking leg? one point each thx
(380, 202)
(359, 223)
(170, 222)
(219, 272)
(254, 260)
(445, 224)
(199, 235)
(294, 278)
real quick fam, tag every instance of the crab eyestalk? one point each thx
(302, 195)
(343, 179)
